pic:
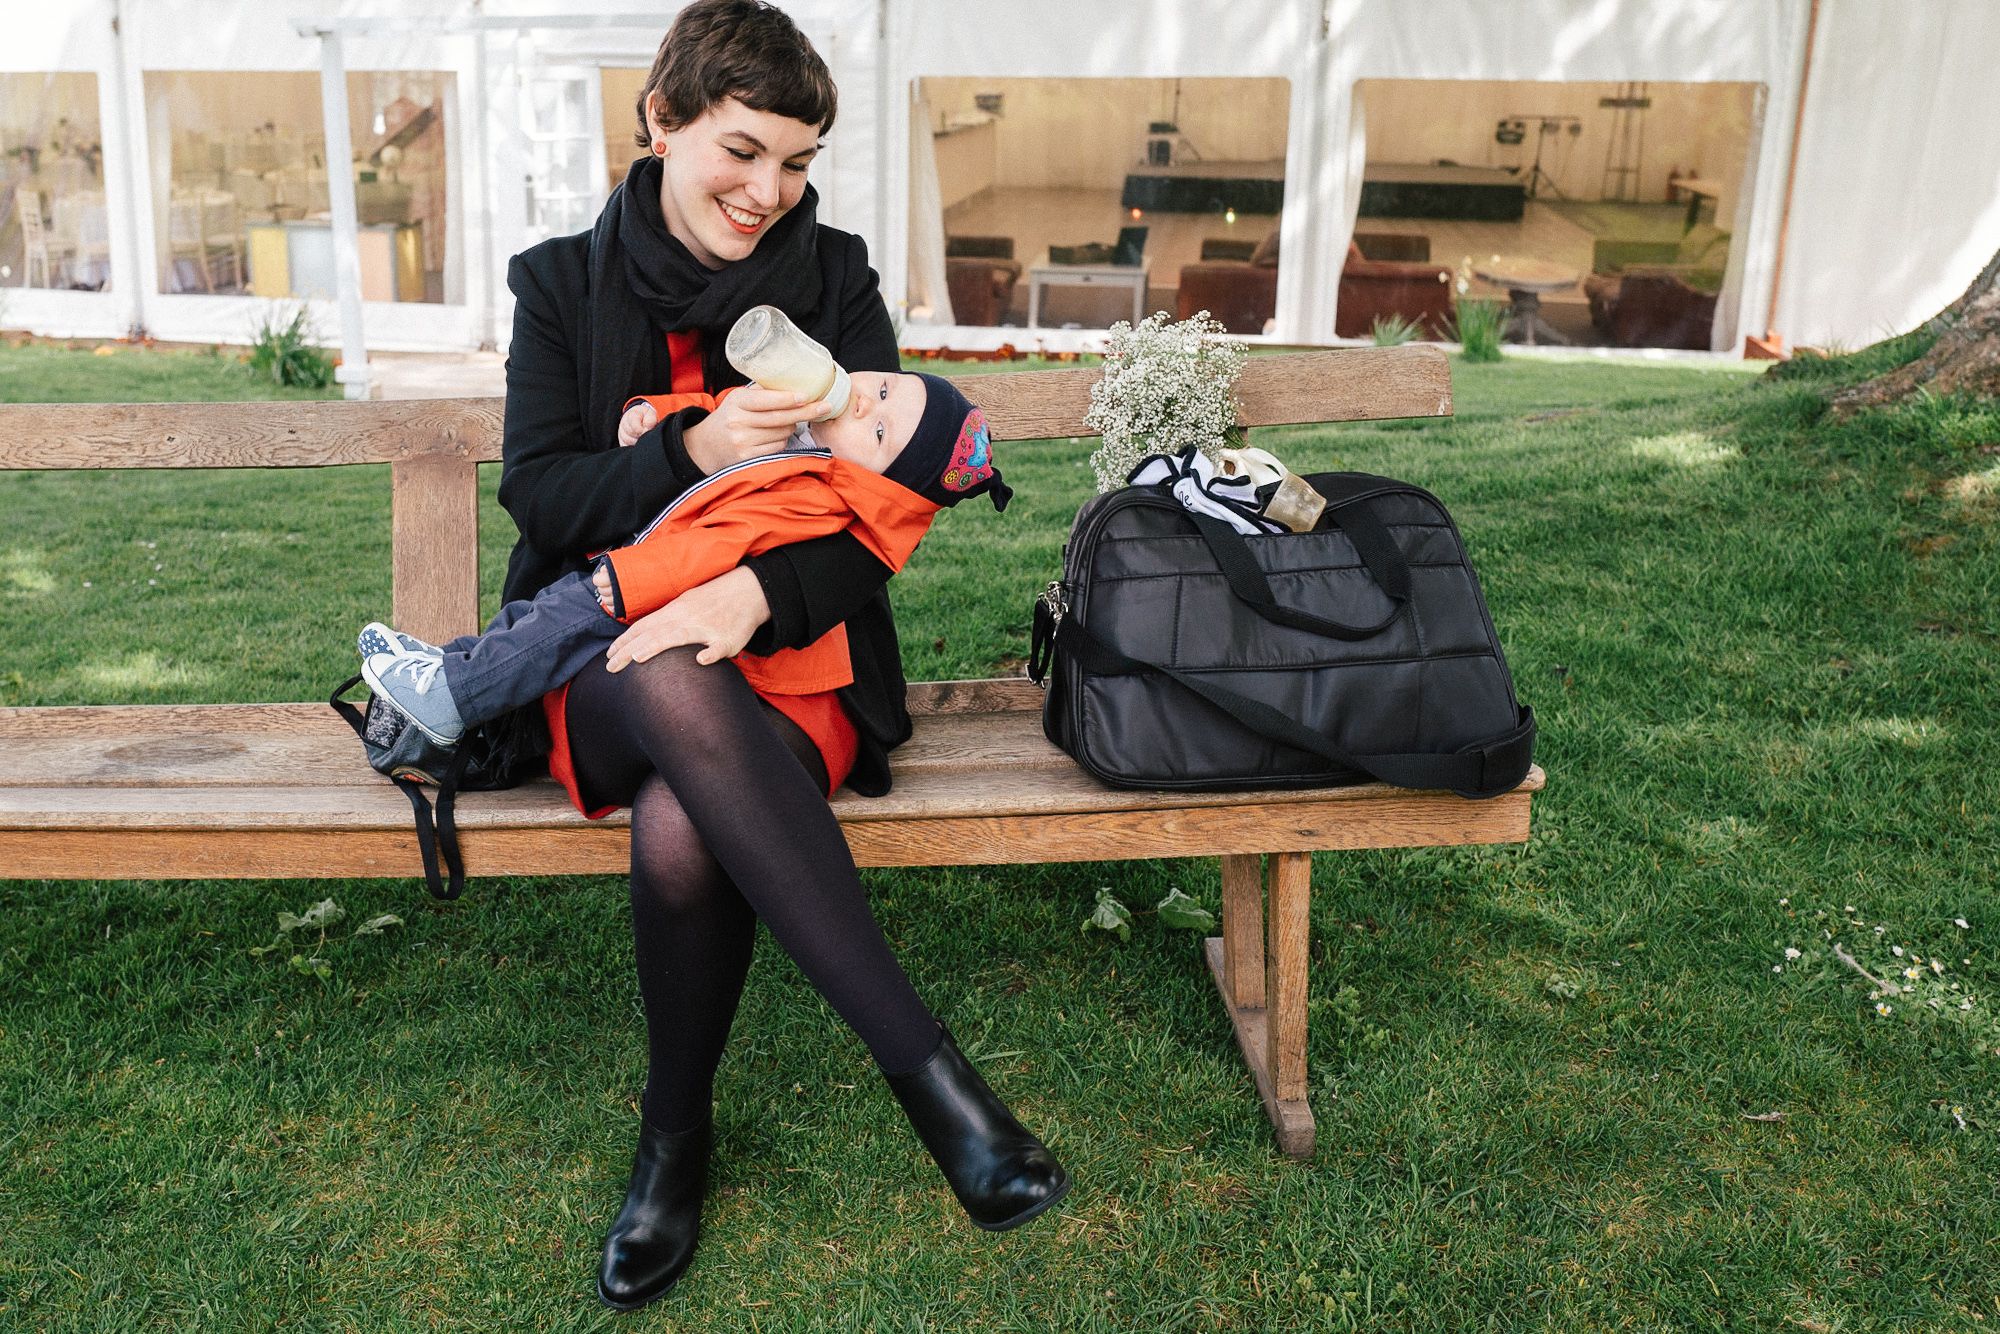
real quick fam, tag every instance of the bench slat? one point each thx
(232, 745)
(118, 764)
(278, 789)
(157, 849)
(434, 516)
(938, 795)
(1343, 384)
(239, 435)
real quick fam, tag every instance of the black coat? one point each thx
(569, 497)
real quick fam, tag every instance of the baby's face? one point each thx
(882, 414)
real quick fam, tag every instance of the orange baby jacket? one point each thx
(749, 508)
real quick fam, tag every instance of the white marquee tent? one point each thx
(1890, 181)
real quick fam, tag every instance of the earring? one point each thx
(659, 148)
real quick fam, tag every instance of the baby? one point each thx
(906, 446)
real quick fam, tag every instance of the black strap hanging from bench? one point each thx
(437, 836)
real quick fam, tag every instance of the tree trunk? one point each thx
(1965, 359)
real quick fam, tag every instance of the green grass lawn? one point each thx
(1578, 1084)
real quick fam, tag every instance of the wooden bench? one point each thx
(281, 790)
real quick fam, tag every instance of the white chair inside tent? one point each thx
(222, 237)
(39, 250)
(184, 242)
(204, 228)
(80, 238)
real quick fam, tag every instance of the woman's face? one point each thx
(729, 175)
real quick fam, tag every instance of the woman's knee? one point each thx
(671, 866)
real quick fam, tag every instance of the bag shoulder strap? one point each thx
(1485, 768)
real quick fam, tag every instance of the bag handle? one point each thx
(433, 836)
(1483, 769)
(1378, 551)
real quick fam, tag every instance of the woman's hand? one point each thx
(721, 615)
(750, 421)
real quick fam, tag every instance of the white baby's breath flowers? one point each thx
(1166, 385)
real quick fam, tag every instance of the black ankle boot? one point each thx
(1003, 1175)
(653, 1238)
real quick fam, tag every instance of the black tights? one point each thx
(730, 824)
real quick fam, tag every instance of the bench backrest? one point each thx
(434, 446)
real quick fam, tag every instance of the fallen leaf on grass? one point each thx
(1930, 546)
(1763, 1116)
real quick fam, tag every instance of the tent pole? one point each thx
(1772, 345)
(353, 370)
(485, 323)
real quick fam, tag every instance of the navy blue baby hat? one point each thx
(950, 456)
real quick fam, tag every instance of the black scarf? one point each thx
(644, 284)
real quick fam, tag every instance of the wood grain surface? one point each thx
(1340, 384)
(972, 788)
(1336, 385)
(246, 435)
(435, 549)
(1243, 930)
(1289, 902)
(1291, 1118)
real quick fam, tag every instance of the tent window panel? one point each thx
(54, 231)
(239, 181)
(1596, 213)
(1177, 178)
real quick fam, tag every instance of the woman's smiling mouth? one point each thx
(739, 219)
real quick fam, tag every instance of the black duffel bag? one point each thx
(1180, 654)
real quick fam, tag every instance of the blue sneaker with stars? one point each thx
(408, 673)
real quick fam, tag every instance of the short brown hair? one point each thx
(737, 48)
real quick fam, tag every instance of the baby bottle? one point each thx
(1287, 497)
(771, 350)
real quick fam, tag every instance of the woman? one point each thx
(717, 217)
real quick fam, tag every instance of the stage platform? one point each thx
(1207, 187)
(1423, 190)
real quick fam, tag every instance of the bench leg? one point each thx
(1243, 931)
(1263, 984)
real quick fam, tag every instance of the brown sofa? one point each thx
(1372, 289)
(1650, 308)
(1244, 296)
(1240, 296)
(1412, 247)
(980, 273)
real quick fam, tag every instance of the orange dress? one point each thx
(742, 511)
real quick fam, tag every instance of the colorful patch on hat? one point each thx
(972, 457)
